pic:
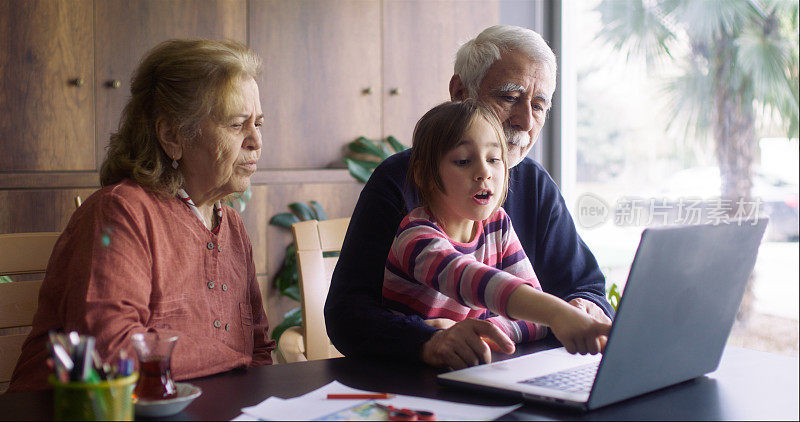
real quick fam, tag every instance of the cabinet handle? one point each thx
(395, 91)
(77, 82)
(113, 83)
(367, 90)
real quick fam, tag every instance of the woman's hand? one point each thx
(578, 331)
(466, 343)
(441, 323)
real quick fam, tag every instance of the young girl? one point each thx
(457, 256)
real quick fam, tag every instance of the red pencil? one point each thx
(365, 396)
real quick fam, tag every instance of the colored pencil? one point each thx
(365, 396)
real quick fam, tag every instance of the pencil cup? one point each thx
(106, 400)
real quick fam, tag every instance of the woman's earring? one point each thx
(174, 164)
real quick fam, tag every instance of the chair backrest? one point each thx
(314, 240)
(20, 253)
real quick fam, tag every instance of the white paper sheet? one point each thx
(244, 417)
(316, 406)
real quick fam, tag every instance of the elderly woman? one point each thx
(154, 249)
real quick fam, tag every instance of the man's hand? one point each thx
(442, 323)
(466, 343)
(590, 308)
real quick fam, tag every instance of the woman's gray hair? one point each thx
(477, 55)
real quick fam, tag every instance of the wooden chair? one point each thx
(20, 253)
(315, 241)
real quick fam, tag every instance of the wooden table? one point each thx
(748, 385)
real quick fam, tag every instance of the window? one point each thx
(641, 138)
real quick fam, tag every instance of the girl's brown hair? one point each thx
(438, 132)
(182, 82)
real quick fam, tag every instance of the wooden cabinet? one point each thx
(40, 210)
(320, 86)
(126, 29)
(46, 74)
(420, 40)
(338, 69)
(333, 70)
(65, 75)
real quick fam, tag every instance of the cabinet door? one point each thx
(320, 88)
(127, 29)
(420, 40)
(46, 85)
(38, 210)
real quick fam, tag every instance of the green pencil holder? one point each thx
(107, 400)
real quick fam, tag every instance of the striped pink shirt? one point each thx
(430, 275)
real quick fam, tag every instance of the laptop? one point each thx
(679, 304)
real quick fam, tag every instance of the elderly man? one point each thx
(513, 70)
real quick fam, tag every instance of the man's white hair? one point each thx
(477, 55)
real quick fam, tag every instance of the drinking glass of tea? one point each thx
(155, 378)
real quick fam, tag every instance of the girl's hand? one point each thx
(442, 323)
(578, 331)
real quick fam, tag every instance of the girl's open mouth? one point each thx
(482, 197)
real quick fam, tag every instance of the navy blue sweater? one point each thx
(357, 323)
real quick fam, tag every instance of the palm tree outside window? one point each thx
(682, 112)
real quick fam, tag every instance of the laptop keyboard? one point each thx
(575, 380)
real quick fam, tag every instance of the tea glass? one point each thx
(155, 377)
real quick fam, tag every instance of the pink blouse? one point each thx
(130, 261)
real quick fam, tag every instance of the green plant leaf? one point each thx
(396, 145)
(387, 151)
(368, 165)
(290, 253)
(286, 277)
(293, 318)
(358, 146)
(292, 291)
(358, 149)
(302, 210)
(239, 203)
(287, 273)
(319, 212)
(367, 154)
(284, 219)
(614, 295)
(358, 171)
(5, 279)
(367, 146)
(248, 193)
(372, 144)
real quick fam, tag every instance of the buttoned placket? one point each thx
(215, 288)
(212, 260)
